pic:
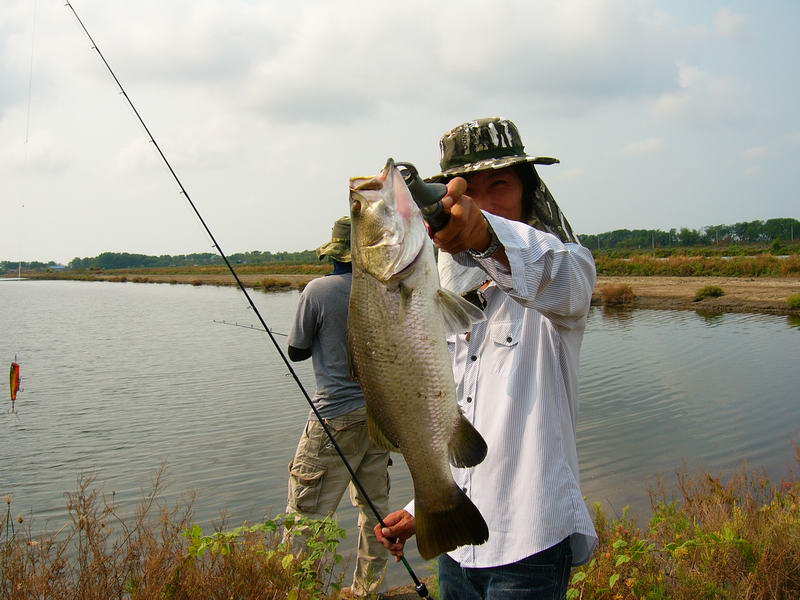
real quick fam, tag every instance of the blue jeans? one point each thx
(541, 576)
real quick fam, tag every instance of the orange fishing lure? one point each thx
(14, 380)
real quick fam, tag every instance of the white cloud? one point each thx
(40, 154)
(648, 146)
(753, 171)
(570, 174)
(728, 23)
(754, 153)
(704, 99)
(208, 146)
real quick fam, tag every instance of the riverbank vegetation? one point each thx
(158, 554)
(707, 538)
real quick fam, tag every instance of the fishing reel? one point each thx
(427, 196)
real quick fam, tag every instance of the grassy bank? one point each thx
(693, 266)
(707, 538)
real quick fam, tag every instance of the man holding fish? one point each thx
(508, 248)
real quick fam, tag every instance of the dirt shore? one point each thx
(759, 295)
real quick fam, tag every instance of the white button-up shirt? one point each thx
(516, 376)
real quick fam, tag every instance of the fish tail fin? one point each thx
(467, 447)
(461, 524)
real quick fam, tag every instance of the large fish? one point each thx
(398, 322)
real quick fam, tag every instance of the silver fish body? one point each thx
(398, 322)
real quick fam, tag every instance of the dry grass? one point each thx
(616, 294)
(157, 555)
(737, 540)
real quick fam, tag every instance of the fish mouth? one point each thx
(402, 235)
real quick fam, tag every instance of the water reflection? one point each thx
(710, 317)
(620, 315)
(793, 320)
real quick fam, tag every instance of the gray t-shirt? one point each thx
(321, 325)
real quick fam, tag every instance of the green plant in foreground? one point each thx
(311, 570)
(793, 301)
(709, 291)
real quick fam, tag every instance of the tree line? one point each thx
(746, 232)
(125, 260)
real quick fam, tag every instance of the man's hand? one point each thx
(400, 525)
(467, 226)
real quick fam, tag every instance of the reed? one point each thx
(793, 301)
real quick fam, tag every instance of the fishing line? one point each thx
(420, 587)
(30, 72)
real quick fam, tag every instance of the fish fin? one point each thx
(376, 434)
(467, 447)
(443, 531)
(459, 314)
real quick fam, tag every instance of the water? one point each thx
(119, 378)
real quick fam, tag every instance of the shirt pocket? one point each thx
(503, 343)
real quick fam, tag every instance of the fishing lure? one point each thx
(14, 382)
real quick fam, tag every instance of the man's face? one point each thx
(498, 192)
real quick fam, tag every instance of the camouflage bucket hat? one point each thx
(495, 143)
(339, 246)
(492, 143)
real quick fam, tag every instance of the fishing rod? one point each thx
(420, 587)
(248, 327)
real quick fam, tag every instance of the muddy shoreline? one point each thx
(742, 294)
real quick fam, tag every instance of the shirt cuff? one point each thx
(409, 508)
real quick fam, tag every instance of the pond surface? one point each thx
(119, 378)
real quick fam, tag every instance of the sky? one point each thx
(663, 113)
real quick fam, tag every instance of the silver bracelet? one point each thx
(494, 243)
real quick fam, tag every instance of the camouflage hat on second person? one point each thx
(339, 246)
(492, 143)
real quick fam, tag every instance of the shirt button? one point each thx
(508, 339)
(473, 358)
(464, 490)
(469, 398)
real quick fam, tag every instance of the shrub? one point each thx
(793, 301)
(617, 294)
(777, 248)
(709, 291)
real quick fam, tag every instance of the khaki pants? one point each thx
(318, 479)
